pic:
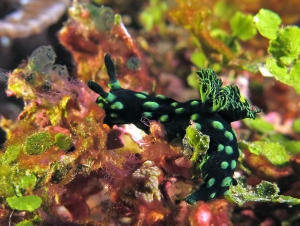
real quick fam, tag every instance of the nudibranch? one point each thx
(212, 115)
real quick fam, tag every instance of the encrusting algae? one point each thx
(72, 157)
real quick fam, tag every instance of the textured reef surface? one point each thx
(143, 117)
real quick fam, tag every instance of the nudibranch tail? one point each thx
(212, 115)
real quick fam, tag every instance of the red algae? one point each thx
(90, 33)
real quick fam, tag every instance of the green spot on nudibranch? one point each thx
(141, 95)
(198, 126)
(114, 86)
(233, 164)
(226, 192)
(174, 104)
(226, 182)
(217, 125)
(110, 97)
(194, 102)
(100, 105)
(113, 115)
(228, 135)
(240, 152)
(220, 147)
(117, 106)
(233, 130)
(147, 114)
(194, 117)
(210, 182)
(212, 195)
(163, 118)
(160, 96)
(224, 165)
(179, 110)
(228, 150)
(151, 105)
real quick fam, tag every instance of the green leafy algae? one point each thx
(263, 192)
(292, 146)
(286, 46)
(154, 15)
(24, 203)
(25, 223)
(274, 152)
(11, 154)
(259, 125)
(37, 143)
(195, 143)
(284, 63)
(242, 26)
(63, 141)
(296, 126)
(267, 23)
(28, 181)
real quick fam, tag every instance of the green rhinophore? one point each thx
(114, 86)
(150, 105)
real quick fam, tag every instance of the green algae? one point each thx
(263, 192)
(62, 141)
(12, 153)
(195, 143)
(37, 143)
(24, 203)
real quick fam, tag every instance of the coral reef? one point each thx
(26, 21)
(101, 32)
(160, 140)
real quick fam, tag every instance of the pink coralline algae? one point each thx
(148, 176)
